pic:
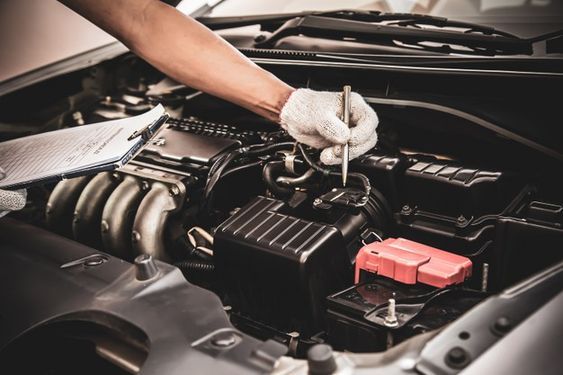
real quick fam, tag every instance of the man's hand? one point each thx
(190, 53)
(12, 200)
(314, 118)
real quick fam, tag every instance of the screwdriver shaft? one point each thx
(346, 90)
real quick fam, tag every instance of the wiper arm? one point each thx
(341, 29)
(270, 21)
(377, 27)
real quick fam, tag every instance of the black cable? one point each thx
(362, 179)
(220, 165)
(213, 178)
(232, 170)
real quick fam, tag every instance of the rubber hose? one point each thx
(271, 171)
(195, 265)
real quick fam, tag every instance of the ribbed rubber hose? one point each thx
(195, 265)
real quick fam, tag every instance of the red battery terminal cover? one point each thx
(410, 262)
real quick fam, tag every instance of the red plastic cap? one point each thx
(410, 262)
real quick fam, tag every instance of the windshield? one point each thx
(525, 18)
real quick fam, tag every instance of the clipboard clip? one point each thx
(148, 131)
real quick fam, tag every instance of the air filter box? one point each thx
(279, 267)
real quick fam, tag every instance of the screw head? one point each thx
(502, 326)
(457, 358)
(461, 220)
(406, 210)
(317, 202)
(224, 340)
(294, 334)
(174, 190)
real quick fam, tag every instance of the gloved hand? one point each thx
(314, 118)
(12, 200)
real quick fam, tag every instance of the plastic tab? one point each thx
(410, 262)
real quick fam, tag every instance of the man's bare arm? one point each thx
(187, 51)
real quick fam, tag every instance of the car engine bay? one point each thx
(437, 218)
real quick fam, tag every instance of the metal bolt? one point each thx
(224, 340)
(105, 226)
(457, 358)
(145, 267)
(485, 277)
(317, 202)
(135, 236)
(406, 210)
(391, 317)
(461, 220)
(145, 185)
(174, 190)
(293, 341)
(502, 325)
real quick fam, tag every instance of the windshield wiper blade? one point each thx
(383, 28)
(342, 29)
(401, 19)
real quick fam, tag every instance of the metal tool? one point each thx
(346, 90)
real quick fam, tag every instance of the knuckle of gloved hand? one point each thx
(334, 130)
(328, 157)
(12, 200)
(362, 132)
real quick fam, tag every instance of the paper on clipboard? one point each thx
(76, 151)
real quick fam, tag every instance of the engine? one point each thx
(415, 240)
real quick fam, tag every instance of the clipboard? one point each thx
(79, 151)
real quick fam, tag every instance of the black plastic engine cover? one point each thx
(280, 267)
(449, 189)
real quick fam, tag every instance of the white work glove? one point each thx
(11, 200)
(314, 118)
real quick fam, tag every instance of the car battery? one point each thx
(356, 316)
